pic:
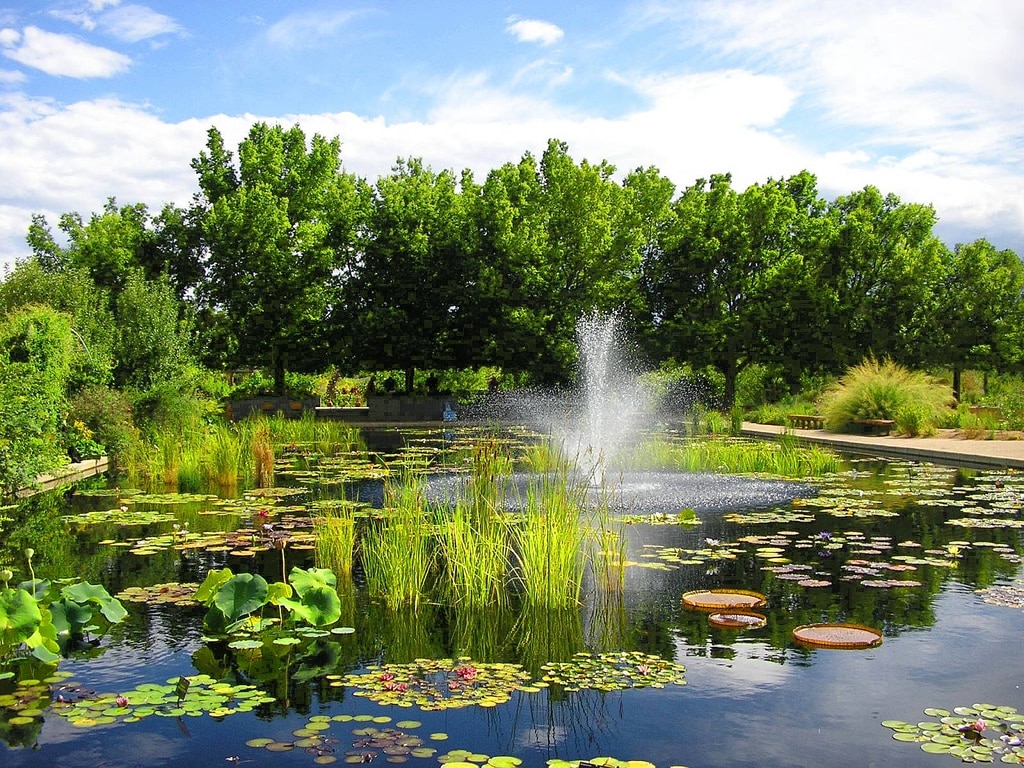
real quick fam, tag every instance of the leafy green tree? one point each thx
(36, 351)
(880, 266)
(413, 286)
(153, 341)
(109, 246)
(69, 290)
(272, 234)
(555, 229)
(978, 309)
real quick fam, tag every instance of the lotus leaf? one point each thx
(19, 616)
(84, 592)
(241, 595)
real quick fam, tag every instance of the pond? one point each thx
(928, 556)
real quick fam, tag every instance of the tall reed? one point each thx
(549, 541)
(397, 551)
(473, 533)
(335, 530)
(263, 454)
(225, 453)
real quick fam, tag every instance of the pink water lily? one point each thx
(121, 701)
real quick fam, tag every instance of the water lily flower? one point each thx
(712, 542)
(1011, 739)
(263, 513)
(121, 701)
(466, 673)
(386, 676)
(643, 669)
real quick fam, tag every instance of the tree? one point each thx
(71, 291)
(979, 309)
(269, 227)
(37, 347)
(414, 285)
(879, 268)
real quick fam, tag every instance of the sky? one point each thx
(920, 98)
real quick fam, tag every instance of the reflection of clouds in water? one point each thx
(119, 747)
(740, 669)
(538, 737)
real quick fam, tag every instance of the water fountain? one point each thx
(608, 414)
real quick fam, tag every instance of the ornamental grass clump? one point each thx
(886, 390)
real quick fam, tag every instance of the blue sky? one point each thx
(922, 98)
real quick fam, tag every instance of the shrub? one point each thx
(108, 414)
(885, 390)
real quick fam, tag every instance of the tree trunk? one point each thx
(277, 361)
(409, 375)
(956, 383)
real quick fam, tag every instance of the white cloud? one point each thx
(62, 55)
(533, 31)
(137, 22)
(12, 76)
(305, 29)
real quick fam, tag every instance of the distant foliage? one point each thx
(886, 390)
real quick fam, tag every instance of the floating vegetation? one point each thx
(1007, 595)
(169, 593)
(186, 696)
(738, 620)
(686, 517)
(838, 636)
(438, 684)
(31, 697)
(123, 515)
(723, 599)
(768, 517)
(983, 733)
(613, 672)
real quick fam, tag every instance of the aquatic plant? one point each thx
(548, 540)
(397, 548)
(334, 528)
(235, 602)
(978, 733)
(473, 533)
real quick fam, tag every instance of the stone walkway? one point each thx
(941, 450)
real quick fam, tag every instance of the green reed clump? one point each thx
(474, 546)
(326, 437)
(785, 458)
(549, 541)
(397, 547)
(335, 529)
(263, 454)
(225, 452)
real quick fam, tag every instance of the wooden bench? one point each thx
(874, 426)
(805, 421)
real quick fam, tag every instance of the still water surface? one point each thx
(752, 698)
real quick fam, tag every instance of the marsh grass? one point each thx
(397, 547)
(326, 437)
(549, 541)
(263, 455)
(225, 452)
(784, 458)
(334, 526)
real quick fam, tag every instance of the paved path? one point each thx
(957, 451)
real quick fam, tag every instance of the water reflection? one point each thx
(752, 698)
